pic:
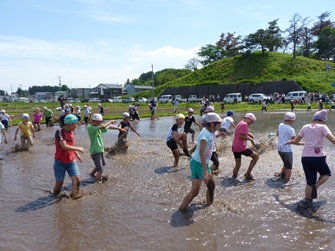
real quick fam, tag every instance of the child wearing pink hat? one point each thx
(313, 158)
(240, 147)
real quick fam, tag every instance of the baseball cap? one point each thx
(125, 115)
(190, 110)
(250, 116)
(210, 109)
(70, 119)
(25, 116)
(3, 111)
(180, 116)
(230, 113)
(97, 117)
(213, 117)
(320, 115)
(99, 104)
(290, 116)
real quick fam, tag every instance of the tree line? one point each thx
(315, 41)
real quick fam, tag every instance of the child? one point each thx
(87, 114)
(199, 162)
(48, 115)
(67, 111)
(37, 117)
(5, 119)
(285, 133)
(97, 147)
(3, 130)
(124, 124)
(189, 119)
(26, 128)
(240, 147)
(313, 157)
(264, 106)
(227, 122)
(101, 109)
(65, 156)
(78, 114)
(309, 106)
(176, 137)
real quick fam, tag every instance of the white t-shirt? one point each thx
(285, 133)
(314, 135)
(226, 122)
(1, 128)
(209, 138)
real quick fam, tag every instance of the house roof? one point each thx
(110, 86)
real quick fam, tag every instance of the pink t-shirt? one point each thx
(314, 135)
(37, 116)
(240, 145)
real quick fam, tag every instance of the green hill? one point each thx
(254, 68)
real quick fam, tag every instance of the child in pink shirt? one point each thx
(37, 117)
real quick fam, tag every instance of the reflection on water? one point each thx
(137, 208)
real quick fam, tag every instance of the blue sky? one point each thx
(88, 42)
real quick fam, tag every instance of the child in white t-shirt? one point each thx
(285, 133)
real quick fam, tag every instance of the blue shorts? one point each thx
(197, 172)
(60, 168)
(5, 123)
(314, 165)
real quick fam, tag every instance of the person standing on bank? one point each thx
(313, 158)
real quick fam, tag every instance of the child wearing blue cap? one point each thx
(227, 122)
(65, 156)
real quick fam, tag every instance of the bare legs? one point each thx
(75, 187)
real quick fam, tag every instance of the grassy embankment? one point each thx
(310, 74)
(115, 110)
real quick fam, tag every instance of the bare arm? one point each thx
(331, 138)
(295, 141)
(16, 131)
(247, 137)
(66, 147)
(132, 128)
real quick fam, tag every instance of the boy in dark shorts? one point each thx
(240, 148)
(189, 119)
(176, 137)
(95, 131)
(65, 156)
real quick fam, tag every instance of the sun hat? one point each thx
(250, 116)
(25, 116)
(70, 119)
(97, 117)
(45, 108)
(180, 116)
(320, 115)
(125, 115)
(37, 109)
(230, 113)
(3, 111)
(213, 117)
(290, 116)
(210, 109)
(99, 104)
(190, 110)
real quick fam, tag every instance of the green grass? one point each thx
(254, 68)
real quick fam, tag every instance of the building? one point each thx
(106, 91)
(81, 93)
(47, 96)
(132, 89)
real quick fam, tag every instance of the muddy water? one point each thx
(137, 208)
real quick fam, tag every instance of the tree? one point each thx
(192, 64)
(326, 43)
(256, 41)
(297, 24)
(229, 43)
(306, 42)
(211, 53)
(274, 38)
(322, 23)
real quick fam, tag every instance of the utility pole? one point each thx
(60, 83)
(153, 82)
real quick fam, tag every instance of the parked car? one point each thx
(142, 99)
(165, 99)
(110, 100)
(233, 98)
(92, 100)
(296, 95)
(150, 98)
(128, 99)
(257, 98)
(117, 99)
